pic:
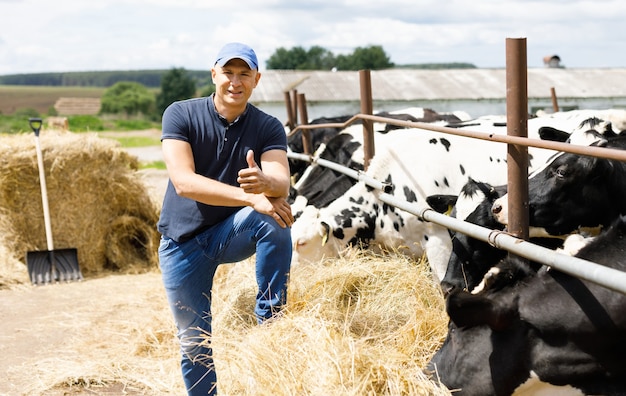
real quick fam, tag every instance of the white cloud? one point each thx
(40, 36)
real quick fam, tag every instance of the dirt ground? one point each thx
(42, 327)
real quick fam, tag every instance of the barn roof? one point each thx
(444, 84)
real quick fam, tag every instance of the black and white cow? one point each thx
(320, 185)
(470, 258)
(416, 164)
(421, 162)
(317, 185)
(573, 192)
(319, 136)
(548, 332)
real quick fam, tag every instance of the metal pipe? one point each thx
(290, 122)
(602, 152)
(604, 276)
(517, 125)
(367, 107)
(306, 133)
(355, 174)
(294, 105)
(555, 103)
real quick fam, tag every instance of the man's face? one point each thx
(235, 81)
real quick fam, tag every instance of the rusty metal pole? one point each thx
(304, 117)
(294, 105)
(555, 104)
(367, 108)
(290, 121)
(517, 125)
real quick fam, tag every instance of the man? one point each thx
(225, 201)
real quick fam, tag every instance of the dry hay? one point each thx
(97, 203)
(360, 325)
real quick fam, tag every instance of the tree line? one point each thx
(296, 58)
(133, 92)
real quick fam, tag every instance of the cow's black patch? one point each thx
(358, 201)
(365, 234)
(446, 143)
(446, 182)
(462, 168)
(409, 194)
(338, 233)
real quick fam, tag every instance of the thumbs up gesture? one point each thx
(252, 179)
(250, 159)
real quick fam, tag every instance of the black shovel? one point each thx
(46, 266)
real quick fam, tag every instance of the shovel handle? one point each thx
(35, 123)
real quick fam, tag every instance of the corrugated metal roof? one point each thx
(445, 84)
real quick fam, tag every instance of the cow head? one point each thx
(312, 237)
(486, 350)
(471, 258)
(573, 191)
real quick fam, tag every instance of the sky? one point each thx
(38, 36)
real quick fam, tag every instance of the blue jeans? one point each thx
(188, 268)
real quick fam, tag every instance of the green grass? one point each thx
(153, 165)
(138, 141)
(18, 123)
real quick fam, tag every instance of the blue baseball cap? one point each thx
(237, 50)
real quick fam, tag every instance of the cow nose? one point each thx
(496, 208)
(446, 288)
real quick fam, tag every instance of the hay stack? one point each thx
(97, 202)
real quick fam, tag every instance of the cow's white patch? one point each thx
(487, 280)
(535, 387)
(574, 243)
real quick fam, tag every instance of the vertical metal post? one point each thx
(290, 121)
(517, 125)
(367, 108)
(294, 105)
(304, 117)
(555, 104)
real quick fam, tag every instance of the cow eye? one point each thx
(561, 172)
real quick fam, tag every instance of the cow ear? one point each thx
(442, 203)
(553, 134)
(325, 232)
(469, 310)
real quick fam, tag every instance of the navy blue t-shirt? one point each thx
(219, 152)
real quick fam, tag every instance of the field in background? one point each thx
(40, 98)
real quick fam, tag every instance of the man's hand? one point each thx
(252, 179)
(278, 208)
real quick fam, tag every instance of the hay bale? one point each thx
(98, 203)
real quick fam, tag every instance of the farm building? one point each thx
(477, 92)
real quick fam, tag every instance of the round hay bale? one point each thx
(131, 244)
(93, 189)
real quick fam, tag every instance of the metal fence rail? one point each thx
(608, 277)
